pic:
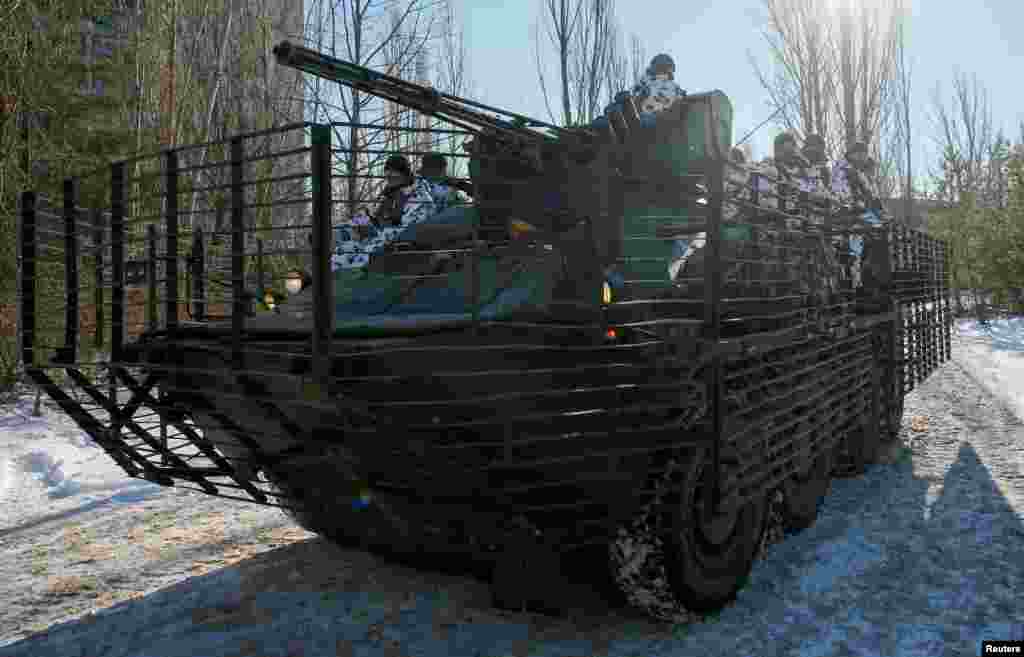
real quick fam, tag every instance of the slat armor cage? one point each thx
(549, 375)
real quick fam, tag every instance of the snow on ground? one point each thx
(48, 467)
(995, 357)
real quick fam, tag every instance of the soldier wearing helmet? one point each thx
(817, 178)
(446, 191)
(656, 92)
(850, 180)
(788, 164)
(406, 200)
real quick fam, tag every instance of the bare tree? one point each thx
(626, 65)
(563, 17)
(637, 57)
(831, 68)
(964, 135)
(593, 54)
(898, 158)
(584, 37)
(383, 34)
(452, 73)
(218, 79)
(452, 76)
(971, 180)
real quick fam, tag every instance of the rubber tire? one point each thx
(863, 442)
(891, 432)
(893, 394)
(803, 492)
(706, 580)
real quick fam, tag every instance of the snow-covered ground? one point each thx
(49, 469)
(996, 358)
(48, 466)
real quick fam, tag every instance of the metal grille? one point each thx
(761, 343)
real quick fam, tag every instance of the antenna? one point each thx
(760, 125)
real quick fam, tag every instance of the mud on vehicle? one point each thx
(620, 334)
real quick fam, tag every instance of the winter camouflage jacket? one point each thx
(445, 194)
(656, 95)
(851, 184)
(399, 208)
(815, 179)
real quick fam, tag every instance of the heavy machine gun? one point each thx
(453, 110)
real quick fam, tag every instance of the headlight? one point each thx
(296, 281)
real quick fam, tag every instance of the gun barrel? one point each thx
(458, 111)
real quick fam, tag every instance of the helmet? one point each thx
(399, 164)
(857, 147)
(784, 137)
(661, 64)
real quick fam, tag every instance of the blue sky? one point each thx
(710, 42)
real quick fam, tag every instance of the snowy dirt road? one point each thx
(921, 556)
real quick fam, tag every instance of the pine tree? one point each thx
(45, 97)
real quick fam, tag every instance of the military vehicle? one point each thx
(623, 333)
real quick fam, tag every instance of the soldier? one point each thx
(817, 178)
(656, 92)
(406, 200)
(362, 225)
(783, 170)
(789, 162)
(445, 190)
(850, 182)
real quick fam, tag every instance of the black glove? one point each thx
(463, 186)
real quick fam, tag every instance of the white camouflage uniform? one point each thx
(417, 203)
(656, 93)
(853, 186)
(445, 196)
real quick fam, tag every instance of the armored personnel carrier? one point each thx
(622, 333)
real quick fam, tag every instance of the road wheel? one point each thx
(803, 492)
(710, 554)
(892, 377)
(864, 439)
